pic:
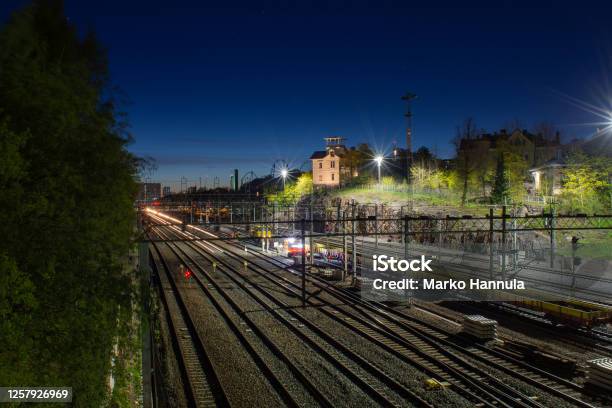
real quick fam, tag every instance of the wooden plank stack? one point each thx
(600, 373)
(480, 327)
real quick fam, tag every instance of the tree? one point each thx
(546, 130)
(293, 190)
(516, 167)
(355, 158)
(423, 157)
(586, 183)
(66, 219)
(501, 184)
(303, 184)
(466, 160)
(351, 161)
(484, 167)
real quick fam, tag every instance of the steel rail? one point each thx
(277, 383)
(203, 386)
(483, 390)
(377, 393)
(523, 376)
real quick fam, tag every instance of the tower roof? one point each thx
(334, 140)
(319, 154)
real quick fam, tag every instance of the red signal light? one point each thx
(187, 274)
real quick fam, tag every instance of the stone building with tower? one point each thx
(327, 168)
(337, 165)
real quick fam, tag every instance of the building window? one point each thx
(332, 164)
(333, 176)
(320, 164)
(320, 178)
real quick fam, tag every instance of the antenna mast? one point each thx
(408, 97)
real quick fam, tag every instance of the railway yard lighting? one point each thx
(284, 173)
(378, 159)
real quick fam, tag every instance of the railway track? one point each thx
(598, 340)
(279, 384)
(605, 336)
(500, 359)
(398, 249)
(543, 380)
(409, 358)
(344, 359)
(587, 340)
(422, 347)
(370, 248)
(200, 381)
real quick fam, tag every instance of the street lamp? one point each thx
(378, 159)
(284, 173)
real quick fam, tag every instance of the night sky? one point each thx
(213, 88)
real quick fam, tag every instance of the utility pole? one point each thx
(574, 249)
(406, 241)
(344, 246)
(491, 243)
(274, 218)
(354, 243)
(406, 235)
(514, 242)
(503, 265)
(183, 183)
(146, 183)
(376, 225)
(408, 98)
(303, 227)
(552, 237)
(439, 240)
(311, 232)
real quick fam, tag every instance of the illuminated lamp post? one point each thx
(284, 173)
(378, 160)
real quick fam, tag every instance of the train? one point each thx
(290, 246)
(569, 312)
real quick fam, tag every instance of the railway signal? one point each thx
(187, 274)
(181, 271)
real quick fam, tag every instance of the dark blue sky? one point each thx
(213, 88)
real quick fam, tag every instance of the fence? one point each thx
(567, 255)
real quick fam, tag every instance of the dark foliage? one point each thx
(501, 184)
(66, 216)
